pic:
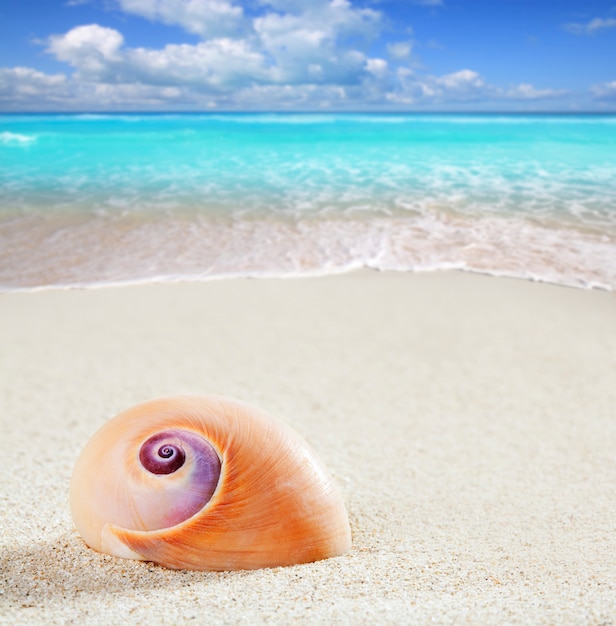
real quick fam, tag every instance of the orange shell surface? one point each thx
(275, 504)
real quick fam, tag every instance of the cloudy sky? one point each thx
(408, 55)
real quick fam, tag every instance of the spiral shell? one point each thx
(205, 483)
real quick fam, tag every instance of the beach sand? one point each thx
(469, 421)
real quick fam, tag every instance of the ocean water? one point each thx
(104, 199)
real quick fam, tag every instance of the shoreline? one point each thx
(352, 269)
(467, 420)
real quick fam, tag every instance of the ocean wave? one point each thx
(7, 137)
(111, 249)
(216, 195)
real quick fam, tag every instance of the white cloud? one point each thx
(118, 96)
(463, 86)
(293, 54)
(464, 80)
(173, 78)
(605, 91)
(526, 91)
(591, 27)
(400, 49)
(216, 64)
(99, 56)
(86, 40)
(20, 85)
(289, 97)
(287, 51)
(28, 76)
(89, 48)
(335, 17)
(207, 18)
(308, 44)
(412, 88)
(26, 89)
(377, 67)
(458, 86)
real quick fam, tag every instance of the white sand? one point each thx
(470, 423)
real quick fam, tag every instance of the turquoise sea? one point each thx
(104, 199)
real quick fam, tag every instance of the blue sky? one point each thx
(399, 55)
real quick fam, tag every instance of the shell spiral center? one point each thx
(159, 455)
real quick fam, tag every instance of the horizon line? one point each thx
(300, 112)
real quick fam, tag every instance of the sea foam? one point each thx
(9, 138)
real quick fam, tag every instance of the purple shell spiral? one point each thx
(168, 452)
(161, 454)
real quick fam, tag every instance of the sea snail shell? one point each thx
(205, 483)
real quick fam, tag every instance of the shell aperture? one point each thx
(206, 482)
